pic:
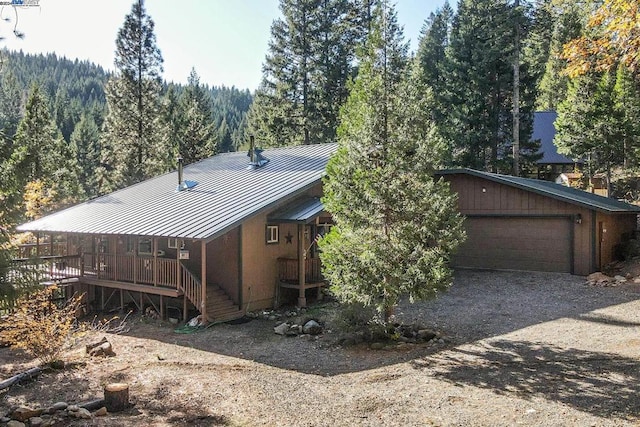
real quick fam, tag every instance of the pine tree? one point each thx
(566, 20)
(395, 225)
(40, 153)
(626, 94)
(134, 148)
(85, 147)
(305, 72)
(588, 126)
(10, 112)
(197, 132)
(431, 56)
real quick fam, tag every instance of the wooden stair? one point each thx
(220, 308)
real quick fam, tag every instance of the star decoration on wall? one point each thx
(289, 238)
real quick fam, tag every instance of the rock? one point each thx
(426, 335)
(101, 412)
(376, 346)
(23, 413)
(636, 280)
(598, 278)
(4, 420)
(620, 279)
(35, 422)
(73, 408)
(281, 329)
(15, 423)
(81, 413)
(272, 317)
(58, 406)
(312, 328)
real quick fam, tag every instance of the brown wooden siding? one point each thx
(222, 263)
(259, 259)
(618, 228)
(477, 196)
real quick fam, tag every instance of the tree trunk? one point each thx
(116, 397)
(33, 372)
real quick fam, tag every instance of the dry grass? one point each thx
(524, 349)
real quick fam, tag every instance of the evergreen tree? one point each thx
(479, 86)
(40, 154)
(305, 72)
(588, 126)
(626, 94)
(432, 58)
(197, 133)
(395, 225)
(566, 20)
(10, 112)
(85, 147)
(134, 148)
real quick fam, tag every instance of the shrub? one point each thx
(41, 327)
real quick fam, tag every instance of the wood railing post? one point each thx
(155, 261)
(203, 302)
(302, 300)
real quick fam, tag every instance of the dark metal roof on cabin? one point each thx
(553, 190)
(545, 131)
(301, 210)
(228, 192)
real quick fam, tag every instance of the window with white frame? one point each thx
(272, 234)
(172, 243)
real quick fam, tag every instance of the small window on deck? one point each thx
(172, 243)
(272, 235)
(145, 246)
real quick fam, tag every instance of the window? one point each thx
(145, 246)
(172, 243)
(273, 235)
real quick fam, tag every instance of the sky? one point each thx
(224, 40)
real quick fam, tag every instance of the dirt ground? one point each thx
(528, 349)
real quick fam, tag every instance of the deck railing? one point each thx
(127, 268)
(45, 268)
(288, 270)
(191, 286)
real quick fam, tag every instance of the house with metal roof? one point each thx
(528, 224)
(552, 163)
(225, 234)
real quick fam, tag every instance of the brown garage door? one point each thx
(533, 244)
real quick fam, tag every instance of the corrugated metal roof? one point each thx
(301, 210)
(227, 193)
(553, 190)
(545, 130)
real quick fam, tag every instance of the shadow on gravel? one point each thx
(605, 385)
(480, 304)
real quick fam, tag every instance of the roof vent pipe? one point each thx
(180, 165)
(252, 150)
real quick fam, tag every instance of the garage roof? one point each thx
(553, 190)
(227, 193)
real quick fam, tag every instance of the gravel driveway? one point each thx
(528, 349)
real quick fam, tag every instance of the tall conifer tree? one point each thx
(395, 225)
(134, 148)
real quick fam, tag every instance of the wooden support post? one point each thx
(154, 245)
(102, 299)
(135, 260)
(179, 269)
(184, 307)
(37, 245)
(302, 300)
(203, 262)
(51, 245)
(161, 307)
(141, 303)
(121, 300)
(115, 259)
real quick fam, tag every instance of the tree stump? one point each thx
(116, 397)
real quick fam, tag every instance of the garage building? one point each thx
(518, 223)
